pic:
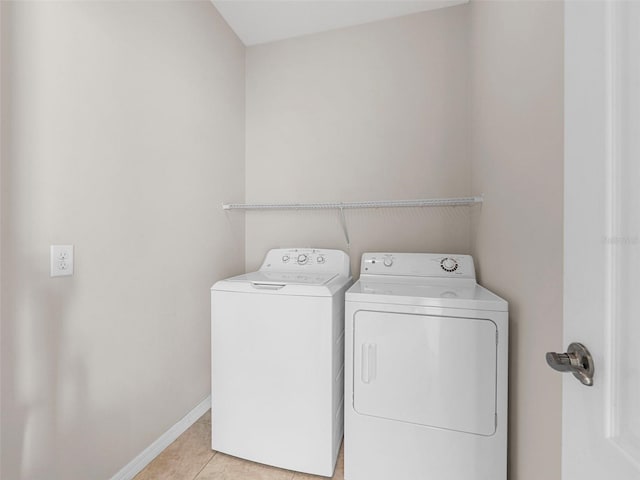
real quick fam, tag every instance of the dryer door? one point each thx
(428, 370)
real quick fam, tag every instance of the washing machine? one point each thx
(426, 371)
(277, 360)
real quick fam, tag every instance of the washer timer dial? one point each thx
(302, 259)
(449, 264)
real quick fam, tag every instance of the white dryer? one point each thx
(277, 360)
(426, 371)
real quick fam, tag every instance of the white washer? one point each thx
(277, 368)
(426, 371)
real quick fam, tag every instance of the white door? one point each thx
(601, 423)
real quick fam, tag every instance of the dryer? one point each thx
(426, 371)
(277, 360)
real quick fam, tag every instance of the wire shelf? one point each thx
(429, 202)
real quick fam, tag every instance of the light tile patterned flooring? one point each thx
(190, 458)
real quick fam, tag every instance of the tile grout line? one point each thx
(205, 465)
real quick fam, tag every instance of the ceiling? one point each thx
(262, 21)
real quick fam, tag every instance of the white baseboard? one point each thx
(136, 465)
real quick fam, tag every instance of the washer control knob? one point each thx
(285, 258)
(449, 264)
(302, 259)
(320, 259)
(388, 261)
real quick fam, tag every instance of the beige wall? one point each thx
(517, 162)
(373, 112)
(123, 131)
(465, 100)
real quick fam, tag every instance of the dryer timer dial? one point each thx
(449, 264)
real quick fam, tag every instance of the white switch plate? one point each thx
(61, 260)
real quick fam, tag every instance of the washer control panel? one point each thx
(418, 265)
(307, 260)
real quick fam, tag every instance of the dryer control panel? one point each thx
(418, 265)
(308, 260)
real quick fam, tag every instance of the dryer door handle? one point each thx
(368, 366)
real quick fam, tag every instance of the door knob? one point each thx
(577, 360)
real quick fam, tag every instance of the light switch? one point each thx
(61, 260)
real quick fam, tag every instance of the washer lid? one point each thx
(284, 278)
(285, 283)
(438, 293)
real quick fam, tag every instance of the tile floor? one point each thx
(190, 458)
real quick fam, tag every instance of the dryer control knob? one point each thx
(285, 258)
(320, 259)
(388, 261)
(302, 259)
(449, 264)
